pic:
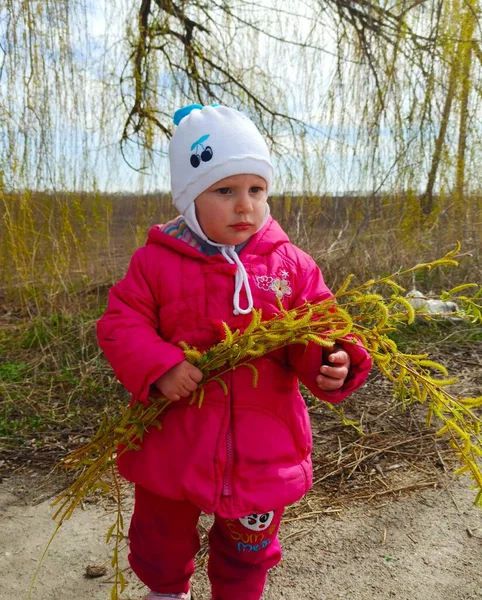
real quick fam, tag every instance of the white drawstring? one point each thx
(241, 279)
(230, 255)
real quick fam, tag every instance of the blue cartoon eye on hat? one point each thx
(206, 153)
(201, 152)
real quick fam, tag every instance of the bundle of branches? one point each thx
(369, 312)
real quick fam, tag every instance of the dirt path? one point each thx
(423, 546)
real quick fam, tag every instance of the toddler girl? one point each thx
(244, 455)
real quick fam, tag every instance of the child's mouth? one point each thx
(241, 226)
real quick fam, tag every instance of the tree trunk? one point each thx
(468, 27)
(427, 199)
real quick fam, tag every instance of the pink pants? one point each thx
(163, 541)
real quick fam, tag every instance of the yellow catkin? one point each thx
(443, 430)
(463, 436)
(388, 374)
(342, 331)
(415, 356)
(228, 336)
(433, 365)
(414, 383)
(383, 316)
(394, 285)
(279, 337)
(401, 374)
(461, 288)
(255, 321)
(344, 286)
(423, 395)
(258, 350)
(441, 382)
(222, 384)
(310, 337)
(408, 307)
(370, 299)
(381, 358)
(392, 346)
(305, 319)
(201, 397)
(471, 402)
(193, 355)
(255, 373)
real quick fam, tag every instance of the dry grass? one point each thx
(53, 246)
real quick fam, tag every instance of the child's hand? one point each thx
(333, 377)
(180, 381)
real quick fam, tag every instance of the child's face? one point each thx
(232, 210)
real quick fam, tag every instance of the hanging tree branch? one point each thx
(203, 74)
(194, 41)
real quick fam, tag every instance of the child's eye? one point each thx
(256, 190)
(223, 191)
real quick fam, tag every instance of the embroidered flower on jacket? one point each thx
(264, 282)
(282, 273)
(279, 284)
(281, 287)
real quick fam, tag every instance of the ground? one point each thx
(426, 545)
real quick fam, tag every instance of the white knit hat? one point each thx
(209, 144)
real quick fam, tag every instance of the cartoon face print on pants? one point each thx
(201, 152)
(257, 522)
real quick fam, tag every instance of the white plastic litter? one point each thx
(431, 306)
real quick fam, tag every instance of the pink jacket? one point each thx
(245, 452)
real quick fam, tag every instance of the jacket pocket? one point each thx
(261, 437)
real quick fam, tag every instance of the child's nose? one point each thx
(244, 202)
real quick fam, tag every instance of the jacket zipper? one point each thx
(228, 470)
(229, 462)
